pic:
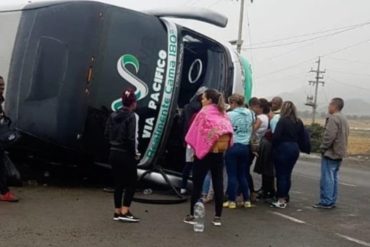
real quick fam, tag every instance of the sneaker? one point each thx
(189, 219)
(270, 200)
(248, 204)
(323, 206)
(108, 189)
(279, 204)
(216, 221)
(128, 217)
(8, 197)
(116, 217)
(183, 191)
(228, 204)
(207, 199)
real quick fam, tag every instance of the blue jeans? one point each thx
(206, 184)
(329, 181)
(285, 157)
(237, 164)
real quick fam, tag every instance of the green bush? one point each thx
(316, 133)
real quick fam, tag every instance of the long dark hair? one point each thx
(288, 110)
(265, 106)
(217, 98)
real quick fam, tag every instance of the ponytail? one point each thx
(217, 99)
(221, 103)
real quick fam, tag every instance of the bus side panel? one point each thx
(47, 87)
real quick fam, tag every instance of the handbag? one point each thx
(8, 135)
(222, 144)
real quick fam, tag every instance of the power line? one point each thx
(346, 48)
(249, 35)
(302, 41)
(348, 84)
(349, 61)
(286, 52)
(310, 59)
(350, 73)
(285, 78)
(285, 68)
(314, 33)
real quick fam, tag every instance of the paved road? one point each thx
(55, 216)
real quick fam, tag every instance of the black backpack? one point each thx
(305, 141)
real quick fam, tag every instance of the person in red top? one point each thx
(5, 194)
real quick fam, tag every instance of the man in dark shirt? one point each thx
(5, 194)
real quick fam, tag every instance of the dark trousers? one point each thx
(285, 157)
(125, 177)
(186, 174)
(214, 163)
(237, 165)
(3, 176)
(249, 175)
(268, 185)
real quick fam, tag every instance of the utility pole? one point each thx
(239, 42)
(312, 100)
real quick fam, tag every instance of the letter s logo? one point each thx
(141, 87)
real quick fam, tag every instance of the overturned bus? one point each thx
(66, 63)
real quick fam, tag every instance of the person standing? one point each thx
(285, 143)
(252, 104)
(264, 164)
(187, 117)
(237, 158)
(5, 194)
(209, 136)
(122, 132)
(333, 149)
(276, 104)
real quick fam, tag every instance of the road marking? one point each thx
(295, 220)
(353, 240)
(296, 192)
(350, 185)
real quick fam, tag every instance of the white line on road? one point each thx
(350, 185)
(289, 218)
(296, 192)
(353, 240)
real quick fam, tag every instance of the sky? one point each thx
(284, 38)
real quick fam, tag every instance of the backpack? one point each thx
(304, 141)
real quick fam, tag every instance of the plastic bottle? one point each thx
(199, 215)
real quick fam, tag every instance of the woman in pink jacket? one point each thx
(209, 136)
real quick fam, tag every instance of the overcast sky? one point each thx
(282, 66)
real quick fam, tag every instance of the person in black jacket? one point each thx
(122, 132)
(188, 114)
(5, 194)
(285, 143)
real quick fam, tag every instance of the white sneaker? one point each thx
(279, 204)
(248, 204)
(183, 191)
